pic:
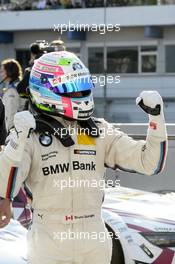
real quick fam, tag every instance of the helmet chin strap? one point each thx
(47, 124)
(58, 117)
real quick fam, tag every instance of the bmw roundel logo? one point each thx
(45, 140)
(77, 66)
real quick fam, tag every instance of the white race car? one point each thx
(13, 237)
(13, 244)
(144, 224)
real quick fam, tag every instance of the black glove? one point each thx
(3, 132)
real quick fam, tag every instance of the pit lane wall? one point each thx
(163, 181)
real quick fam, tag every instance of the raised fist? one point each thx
(151, 102)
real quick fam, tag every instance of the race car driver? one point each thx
(11, 73)
(58, 142)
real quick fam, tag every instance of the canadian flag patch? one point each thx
(69, 217)
(153, 125)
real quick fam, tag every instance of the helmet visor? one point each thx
(78, 85)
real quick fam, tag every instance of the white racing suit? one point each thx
(67, 223)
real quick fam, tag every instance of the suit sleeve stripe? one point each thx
(11, 182)
(162, 157)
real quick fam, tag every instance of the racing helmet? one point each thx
(61, 85)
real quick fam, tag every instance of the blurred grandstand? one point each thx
(17, 5)
(142, 54)
(56, 4)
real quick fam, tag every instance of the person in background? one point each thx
(66, 3)
(11, 74)
(53, 4)
(35, 53)
(3, 131)
(41, 5)
(58, 44)
(76, 3)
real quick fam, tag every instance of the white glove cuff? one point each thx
(157, 126)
